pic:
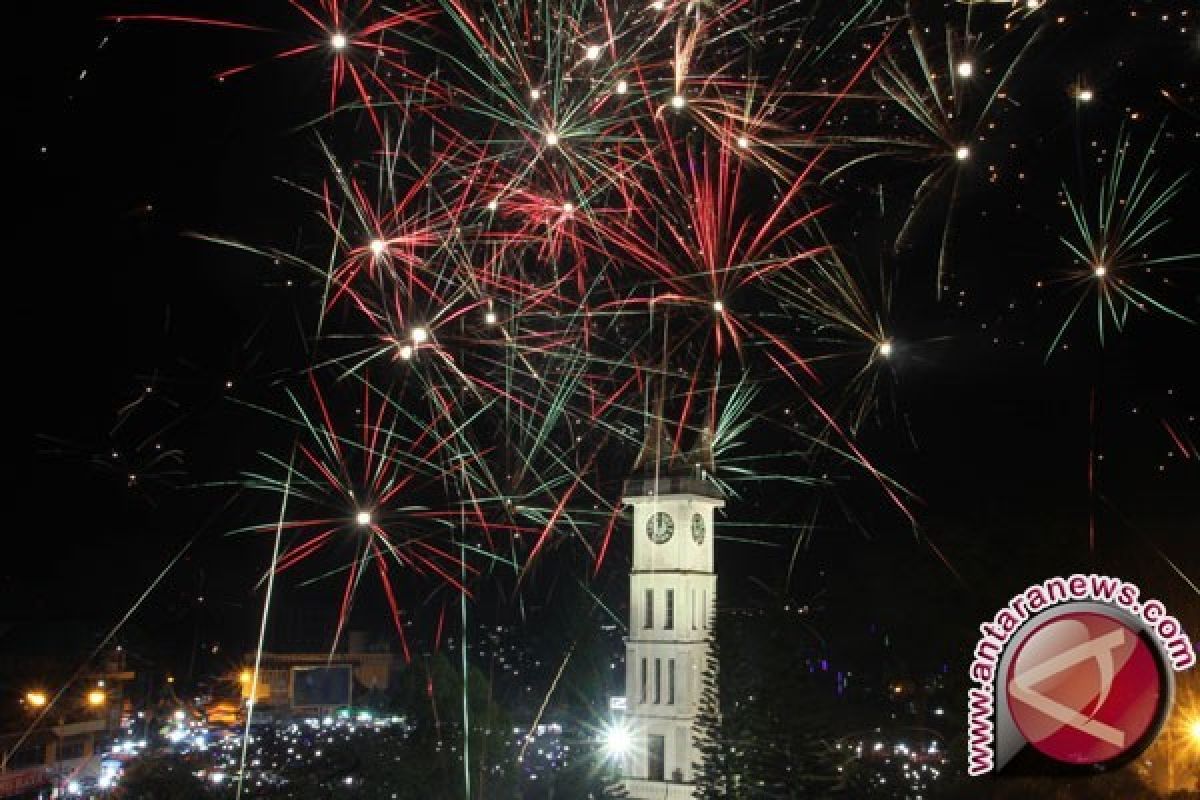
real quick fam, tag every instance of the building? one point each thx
(672, 589)
(317, 683)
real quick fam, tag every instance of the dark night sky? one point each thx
(110, 297)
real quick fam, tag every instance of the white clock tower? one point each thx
(672, 591)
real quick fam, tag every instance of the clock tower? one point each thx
(672, 592)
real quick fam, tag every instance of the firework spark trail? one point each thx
(262, 631)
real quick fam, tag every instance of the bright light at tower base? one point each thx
(618, 741)
(363, 518)
(962, 153)
(338, 41)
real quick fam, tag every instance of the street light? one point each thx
(36, 698)
(618, 741)
(96, 698)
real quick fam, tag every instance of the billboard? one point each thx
(322, 686)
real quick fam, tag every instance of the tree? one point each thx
(766, 724)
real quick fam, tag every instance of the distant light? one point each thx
(1100, 271)
(420, 335)
(568, 207)
(378, 246)
(245, 676)
(363, 518)
(1033, 5)
(622, 87)
(885, 350)
(618, 741)
(593, 52)
(678, 101)
(658, 5)
(406, 352)
(962, 153)
(551, 139)
(338, 41)
(493, 205)
(37, 699)
(535, 93)
(96, 697)
(743, 142)
(1085, 95)
(965, 69)
(490, 318)
(718, 306)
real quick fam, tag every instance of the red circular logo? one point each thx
(1084, 688)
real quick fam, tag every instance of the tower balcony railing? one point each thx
(651, 485)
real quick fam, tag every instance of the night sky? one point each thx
(132, 337)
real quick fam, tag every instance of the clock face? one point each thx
(698, 528)
(660, 527)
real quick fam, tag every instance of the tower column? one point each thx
(672, 592)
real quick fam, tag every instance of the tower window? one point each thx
(657, 681)
(670, 681)
(669, 616)
(643, 681)
(649, 609)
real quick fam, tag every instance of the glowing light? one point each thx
(618, 741)
(965, 69)
(658, 5)
(622, 87)
(718, 306)
(377, 247)
(1085, 95)
(338, 41)
(1100, 271)
(678, 101)
(593, 52)
(406, 352)
(1194, 731)
(37, 699)
(362, 518)
(245, 676)
(962, 153)
(493, 205)
(96, 697)
(1033, 5)
(551, 139)
(490, 318)
(885, 350)
(743, 142)
(568, 207)
(420, 335)
(535, 93)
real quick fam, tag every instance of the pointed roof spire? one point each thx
(702, 451)
(657, 447)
